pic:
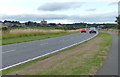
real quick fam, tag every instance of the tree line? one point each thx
(17, 24)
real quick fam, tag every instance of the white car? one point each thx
(92, 30)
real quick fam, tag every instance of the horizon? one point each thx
(68, 23)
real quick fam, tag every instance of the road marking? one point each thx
(47, 53)
(9, 51)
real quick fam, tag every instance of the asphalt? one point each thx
(16, 53)
(110, 66)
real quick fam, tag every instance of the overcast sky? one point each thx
(59, 11)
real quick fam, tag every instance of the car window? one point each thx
(92, 28)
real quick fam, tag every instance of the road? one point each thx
(110, 66)
(15, 54)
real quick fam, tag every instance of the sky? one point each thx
(59, 11)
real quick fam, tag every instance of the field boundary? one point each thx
(48, 53)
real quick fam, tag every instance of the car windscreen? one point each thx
(92, 28)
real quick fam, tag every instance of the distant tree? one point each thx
(15, 22)
(52, 24)
(6, 21)
(30, 23)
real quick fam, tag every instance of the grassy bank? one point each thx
(81, 59)
(116, 31)
(24, 35)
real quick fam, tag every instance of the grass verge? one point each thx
(80, 62)
(116, 31)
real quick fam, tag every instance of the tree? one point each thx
(118, 21)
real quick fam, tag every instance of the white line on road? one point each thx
(48, 53)
(15, 49)
(9, 51)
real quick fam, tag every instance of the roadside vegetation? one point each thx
(118, 23)
(10, 36)
(82, 59)
(116, 31)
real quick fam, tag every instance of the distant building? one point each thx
(44, 22)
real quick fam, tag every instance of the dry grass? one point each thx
(29, 32)
(111, 30)
(24, 35)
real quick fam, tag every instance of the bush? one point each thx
(5, 30)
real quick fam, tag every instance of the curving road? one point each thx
(15, 54)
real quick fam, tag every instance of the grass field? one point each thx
(24, 35)
(82, 59)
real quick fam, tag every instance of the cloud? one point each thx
(108, 17)
(60, 6)
(91, 9)
(113, 3)
(33, 17)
